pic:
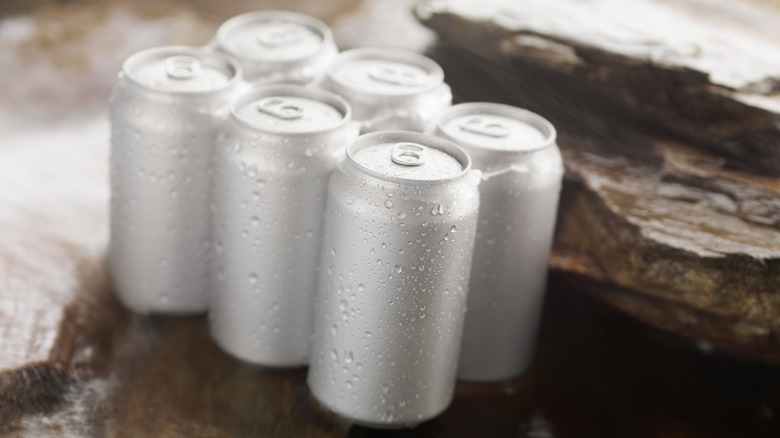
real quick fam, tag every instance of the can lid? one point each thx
(405, 155)
(493, 126)
(385, 72)
(290, 109)
(273, 36)
(181, 69)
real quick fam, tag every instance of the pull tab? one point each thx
(398, 75)
(480, 126)
(282, 35)
(182, 67)
(280, 108)
(409, 154)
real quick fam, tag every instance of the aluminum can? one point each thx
(389, 88)
(277, 47)
(399, 232)
(521, 181)
(272, 165)
(165, 110)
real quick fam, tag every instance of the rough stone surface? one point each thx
(693, 243)
(707, 72)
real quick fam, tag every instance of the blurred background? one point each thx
(73, 363)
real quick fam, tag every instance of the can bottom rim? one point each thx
(384, 426)
(323, 402)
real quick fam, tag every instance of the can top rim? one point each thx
(232, 24)
(385, 54)
(222, 62)
(427, 140)
(259, 91)
(497, 109)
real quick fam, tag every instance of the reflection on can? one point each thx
(521, 171)
(398, 238)
(272, 165)
(389, 88)
(278, 47)
(165, 110)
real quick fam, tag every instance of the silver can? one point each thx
(277, 47)
(399, 232)
(165, 110)
(389, 88)
(272, 165)
(522, 172)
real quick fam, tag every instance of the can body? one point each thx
(271, 173)
(165, 110)
(395, 262)
(277, 47)
(389, 88)
(522, 172)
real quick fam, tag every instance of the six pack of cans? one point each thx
(332, 210)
